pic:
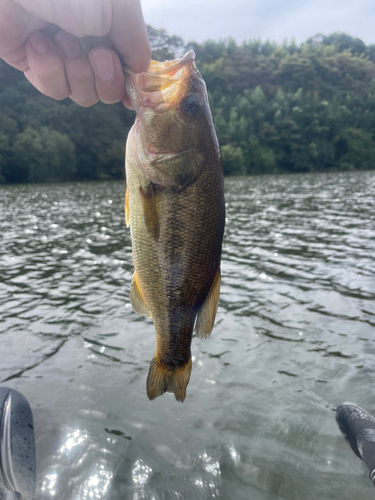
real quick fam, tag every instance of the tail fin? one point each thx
(162, 379)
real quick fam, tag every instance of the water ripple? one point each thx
(294, 337)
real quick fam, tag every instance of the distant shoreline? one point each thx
(226, 177)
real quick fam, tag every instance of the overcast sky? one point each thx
(268, 19)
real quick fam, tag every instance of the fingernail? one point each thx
(38, 42)
(102, 61)
(69, 45)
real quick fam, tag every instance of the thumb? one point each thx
(15, 27)
(129, 34)
(78, 17)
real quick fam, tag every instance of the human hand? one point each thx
(65, 67)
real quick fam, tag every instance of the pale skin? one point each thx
(47, 40)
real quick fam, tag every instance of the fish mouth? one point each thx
(163, 85)
(173, 70)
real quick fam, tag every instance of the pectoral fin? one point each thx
(207, 313)
(136, 299)
(150, 211)
(127, 216)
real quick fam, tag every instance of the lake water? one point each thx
(294, 337)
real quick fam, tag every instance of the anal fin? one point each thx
(136, 298)
(162, 379)
(207, 313)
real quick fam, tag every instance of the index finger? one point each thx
(129, 34)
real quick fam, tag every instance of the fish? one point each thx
(174, 205)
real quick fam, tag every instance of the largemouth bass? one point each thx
(174, 204)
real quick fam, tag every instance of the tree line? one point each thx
(277, 108)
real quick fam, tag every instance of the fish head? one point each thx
(173, 113)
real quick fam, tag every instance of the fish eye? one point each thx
(191, 104)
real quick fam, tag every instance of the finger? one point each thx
(78, 69)
(109, 76)
(17, 58)
(15, 27)
(79, 17)
(129, 34)
(46, 71)
(123, 19)
(90, 42)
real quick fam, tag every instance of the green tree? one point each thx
(277, 108)
(4, 153)
(355, 150)
(47, 155)
(164, 46)
(234, 162)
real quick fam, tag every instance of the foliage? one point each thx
(50, 155)
(276, 107)
(42, 140)
(164, 46)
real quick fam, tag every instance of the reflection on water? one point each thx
(140, 475)
(72, 439)
(49, 483)
(140, 472)
(73, 455)
(294, 337)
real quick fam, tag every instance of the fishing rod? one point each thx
(17, 447)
